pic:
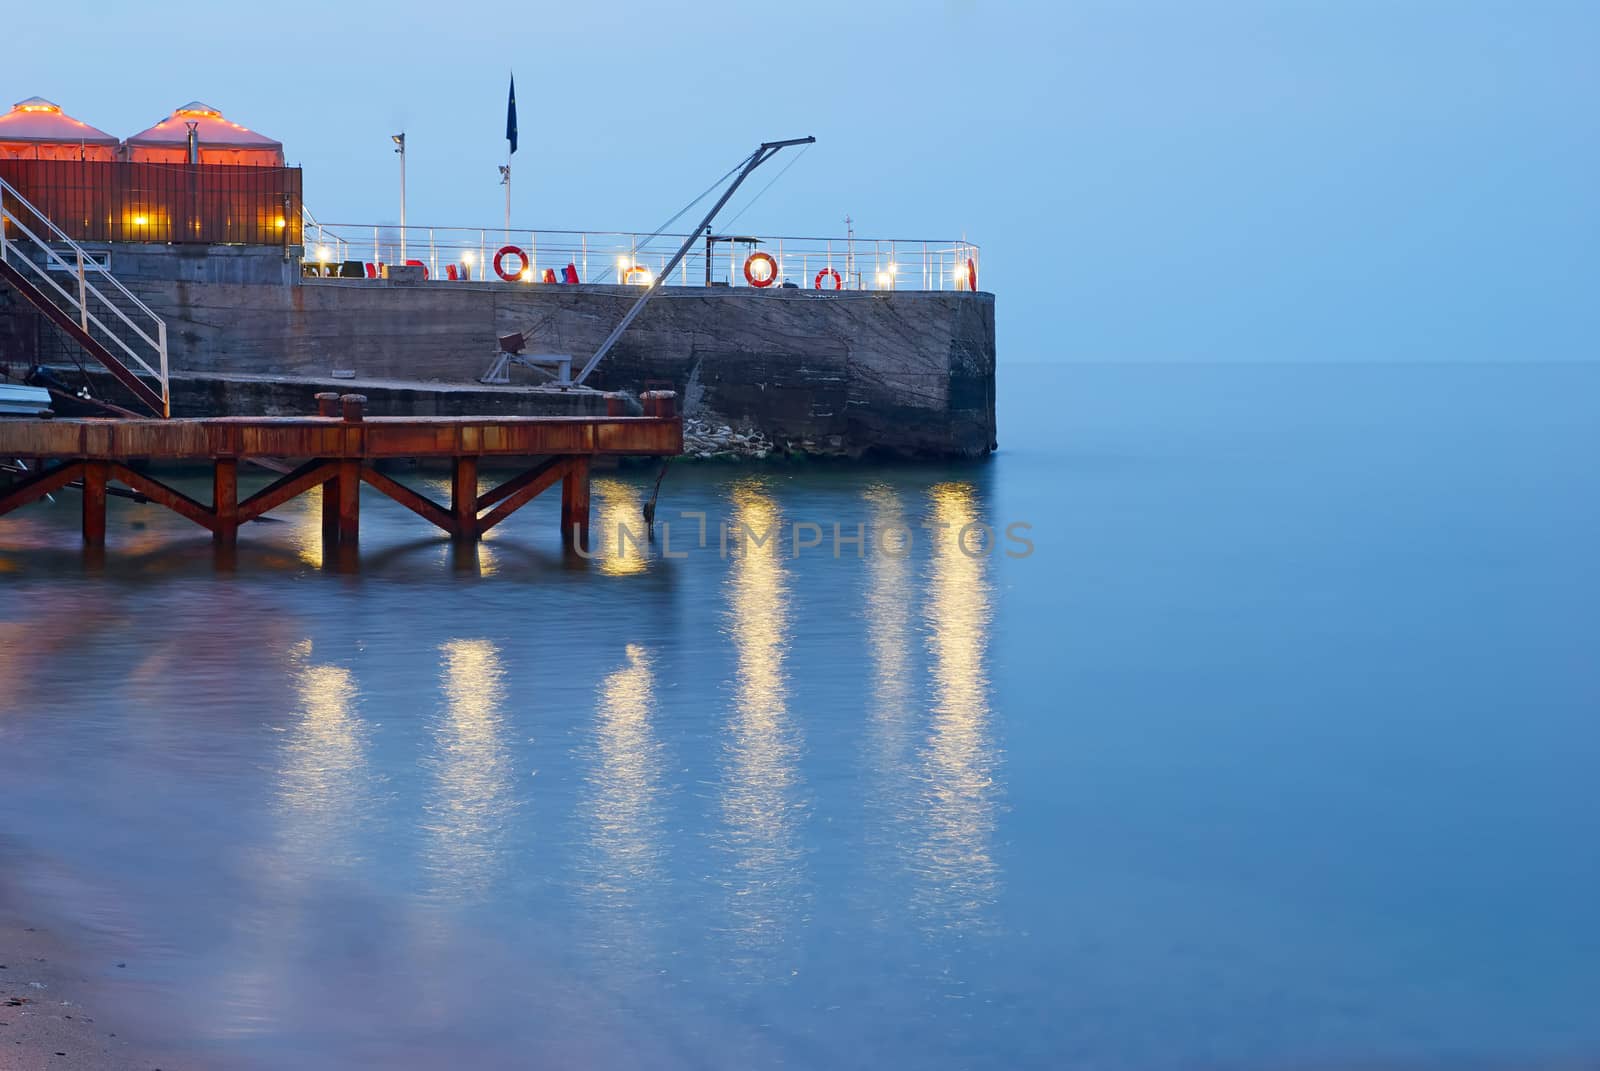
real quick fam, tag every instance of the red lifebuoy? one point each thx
(838, 283)
(499, 263)
(972, 275)
(765, 280)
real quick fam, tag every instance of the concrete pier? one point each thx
(846, 373)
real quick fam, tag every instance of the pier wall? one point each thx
(907, 373)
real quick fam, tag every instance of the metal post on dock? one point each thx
(464, 497)
(575, 504)
(225, 499)
(95, 474)
(352, 408)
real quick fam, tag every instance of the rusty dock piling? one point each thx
(341, 447)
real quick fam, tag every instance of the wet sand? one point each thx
(48, 1006)
(71, 997)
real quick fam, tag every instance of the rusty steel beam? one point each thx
(38, 485)
(416, 502)
(162, 495)
(528, 486)
(511, 486)
(286, 487)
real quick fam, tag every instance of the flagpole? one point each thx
(511, 149)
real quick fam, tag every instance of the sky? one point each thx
(1242, 180)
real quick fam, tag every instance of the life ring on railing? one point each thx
(972, 275)
(637, 269)
(499, 263)
(838, 283)
(752, 278)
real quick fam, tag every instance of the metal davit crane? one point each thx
(561, 364)
(767, 151)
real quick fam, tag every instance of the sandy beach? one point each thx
(73, 996)
(49, 1005)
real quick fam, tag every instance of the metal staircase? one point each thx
(93, 308)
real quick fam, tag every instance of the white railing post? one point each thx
(83, 296)
(161, 342)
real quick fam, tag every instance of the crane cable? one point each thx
(798, 156)
(675, 217)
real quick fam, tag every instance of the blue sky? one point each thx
(1290, 180)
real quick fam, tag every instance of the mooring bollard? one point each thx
(616, 404)
(328, 403)
(659, 403)
(354, 406)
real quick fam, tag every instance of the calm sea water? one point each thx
(1277, 751)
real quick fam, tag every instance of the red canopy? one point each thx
(221, 142)
(36, 129)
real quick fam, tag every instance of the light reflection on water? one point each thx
(893, 717)
(470, 805)
(622, 806)
(618, 532)
(760, 784)
(958, 780)
(322, 762)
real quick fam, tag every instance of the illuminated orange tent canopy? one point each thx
(36, 129)
(221, 142)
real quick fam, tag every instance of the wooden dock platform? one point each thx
(340, 445)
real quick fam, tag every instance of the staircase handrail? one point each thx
(159, 343)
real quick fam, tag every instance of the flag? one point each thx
(511, 115)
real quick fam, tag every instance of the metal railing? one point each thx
(470, 253)
(140, 342)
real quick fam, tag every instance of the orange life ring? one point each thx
(972, 275)
(772, 269)
(838, 283)
(637, 269)
(499, 263)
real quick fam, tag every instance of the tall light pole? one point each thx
(400, 147)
